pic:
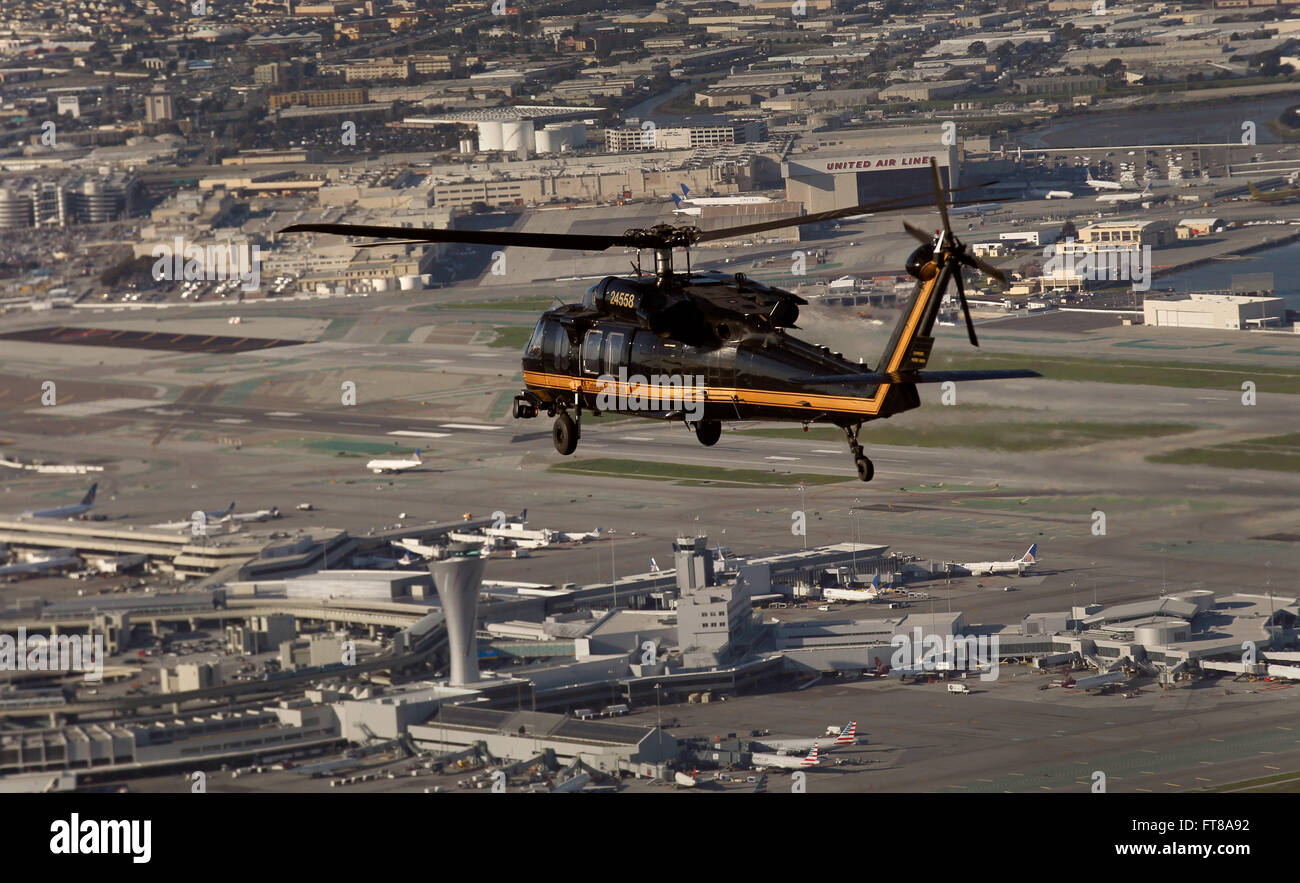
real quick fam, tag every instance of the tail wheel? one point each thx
(708, 432)
(866, 469)
(565, 434)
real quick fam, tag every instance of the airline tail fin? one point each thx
(90, 495)
(686, 192)
(677, 200)
(523, 515)
(875, 582)
(848, 735)
(1031, 557)
(1254, 191)
(812, 759)
(418, 459)
(761, 787)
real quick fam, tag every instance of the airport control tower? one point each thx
(457, 577)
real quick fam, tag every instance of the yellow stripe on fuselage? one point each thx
(853, 405)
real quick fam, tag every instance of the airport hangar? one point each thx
(825, 180)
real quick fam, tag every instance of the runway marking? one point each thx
(640, 438)
(284, 413)
(824, 451)
(468, 426)
(484, 355)
(230, 420)
(413, 434)
(1267, 767)
(780, 458)
(436, 361)
(349, 423)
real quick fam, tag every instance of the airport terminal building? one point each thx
(838, 179)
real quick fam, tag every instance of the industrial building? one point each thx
(1214, 311)
(853, 168)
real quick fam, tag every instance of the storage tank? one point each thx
(517, 137)
(489, 136)
(467, 145)
(410, 283)
(549, 140)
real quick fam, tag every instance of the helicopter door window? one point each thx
(615, 351)
(591, 352)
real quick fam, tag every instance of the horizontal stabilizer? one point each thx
(922, 376)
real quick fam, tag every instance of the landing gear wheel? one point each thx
(708, 432)
(866, 469)
(565, 434)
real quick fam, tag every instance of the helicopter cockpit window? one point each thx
(534, 348)
(557, 348)
(591, 352)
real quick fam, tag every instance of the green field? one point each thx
(348, 447)
(530, 303)
(1001, 436)
(511, 336)
(1279, 453)
(684, 474)
(1184, 375)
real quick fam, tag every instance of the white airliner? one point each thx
(70, 511)
(1096, 184)
(1018, 565)
(686, 205)
(785, 761)
(1047, 193)
(583, 536)
(259, 515)
(218, 514)
(871, 593)
(1135, 196)
(847, 735)
(382, 465)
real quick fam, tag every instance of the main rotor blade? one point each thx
(914, 200)
(961, 296)
(985, 267)
(940, 198)
(918, 234)
(578, 242)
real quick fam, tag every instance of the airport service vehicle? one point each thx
(71, 511)
(633, 343)
(960, 689)
(684, 780)
(785, 761)
(1016, 565)
(394, 464)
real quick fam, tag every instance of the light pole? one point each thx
(659, 722)
(803, 509)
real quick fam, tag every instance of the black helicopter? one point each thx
(708, 347)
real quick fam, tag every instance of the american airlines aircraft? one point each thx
(848, 735)
(1017, 566)
(785, 761)
(382, 465)
(69, 511)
